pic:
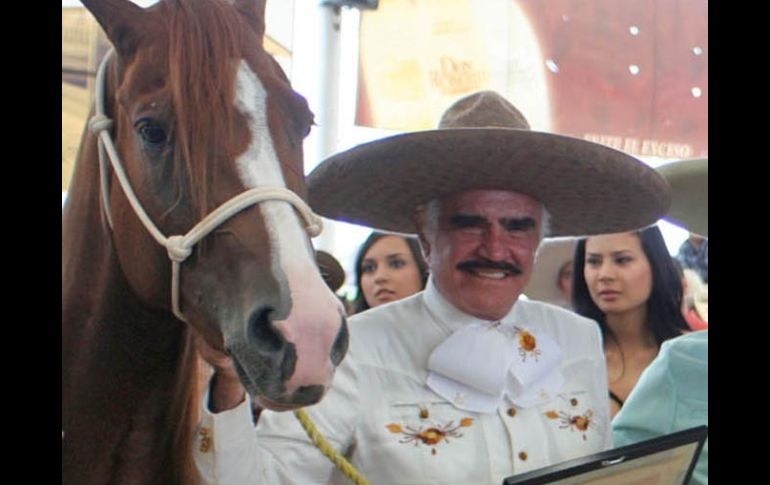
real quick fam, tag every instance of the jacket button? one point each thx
(511, 412)
(523, 456)
(205, 440)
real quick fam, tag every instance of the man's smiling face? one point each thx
(482, 249)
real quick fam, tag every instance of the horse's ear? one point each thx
(254, 10)
(119, 19)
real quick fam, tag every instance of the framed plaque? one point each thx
(666, 460)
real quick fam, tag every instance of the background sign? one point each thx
(631, 74)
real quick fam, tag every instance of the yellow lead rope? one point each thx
(328, 450)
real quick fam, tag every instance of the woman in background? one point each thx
(628, 284)
(388, 267)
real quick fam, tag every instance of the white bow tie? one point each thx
(482, 364)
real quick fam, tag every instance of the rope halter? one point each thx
(179, 247)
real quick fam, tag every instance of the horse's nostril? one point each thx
(261, 332)
(340, 346)
(308, 395)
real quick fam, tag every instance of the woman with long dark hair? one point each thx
(388, 267)
(629, 285)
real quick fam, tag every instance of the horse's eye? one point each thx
(152, 133)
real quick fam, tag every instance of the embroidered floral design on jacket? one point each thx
(432, 435)
(573, 422)
(527, 344)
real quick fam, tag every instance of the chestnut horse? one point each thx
(186, 216)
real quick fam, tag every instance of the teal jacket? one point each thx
(671, 395)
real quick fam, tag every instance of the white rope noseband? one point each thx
(179, 247)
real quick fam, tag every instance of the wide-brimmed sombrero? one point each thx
(689, 181)
(331, 269)
(552, 254)
(697, 295)
(484, 142)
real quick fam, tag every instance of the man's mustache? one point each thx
(472, 265)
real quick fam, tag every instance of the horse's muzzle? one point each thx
(284, 367)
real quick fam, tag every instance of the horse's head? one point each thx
(203, 114)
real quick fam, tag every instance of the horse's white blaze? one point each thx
(315, 315)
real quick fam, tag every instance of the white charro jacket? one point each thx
(395, 430)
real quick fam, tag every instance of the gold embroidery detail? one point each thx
(577, 422)
(205, 440)
(527, 344)
(432, 435)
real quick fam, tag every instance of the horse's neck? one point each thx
(125, 368)
(99, 308)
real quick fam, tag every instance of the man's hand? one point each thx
(226, 389)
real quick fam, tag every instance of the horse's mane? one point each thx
(204, 40)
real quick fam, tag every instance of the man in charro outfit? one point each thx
(463, 382)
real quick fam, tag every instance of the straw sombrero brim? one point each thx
(551, 256)
(698, 291)
(331, 270)
(702, 306)
(587, 188)
(689, 194)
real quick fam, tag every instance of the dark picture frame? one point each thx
(666, 460)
